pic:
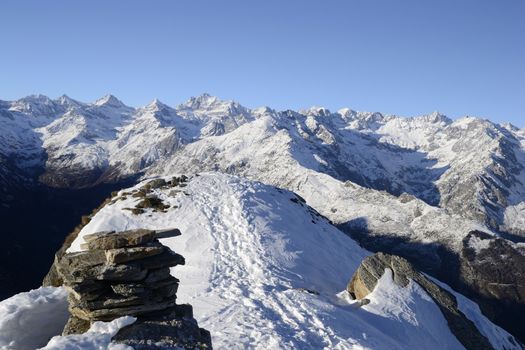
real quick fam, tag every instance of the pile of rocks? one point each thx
(128, 273)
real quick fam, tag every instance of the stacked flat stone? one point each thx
(119, 274)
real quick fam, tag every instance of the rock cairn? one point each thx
(128, 273)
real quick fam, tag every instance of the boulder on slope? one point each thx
(373, 267)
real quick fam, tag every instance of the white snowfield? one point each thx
(264, 271)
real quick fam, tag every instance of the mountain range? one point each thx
(448, 195)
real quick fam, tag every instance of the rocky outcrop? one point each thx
(488, 269)
(128, 273)
(492, 271)
(372, 268)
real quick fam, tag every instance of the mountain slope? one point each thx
(470, 166)
(272, 150)
(266, 271)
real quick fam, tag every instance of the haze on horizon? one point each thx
(409, 58)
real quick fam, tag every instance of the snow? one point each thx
(430, 156)
(479, 244)
(28, 320)
(498, 337)
(350, 166)
(98, 337)
(252, 253)
(264, 150)
(415, 312)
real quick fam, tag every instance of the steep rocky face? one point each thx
(492, 271)
(128, 274)
(373, 267)
(484, 178)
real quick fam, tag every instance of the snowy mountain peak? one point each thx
(316, 111)
(206, 103)
(36, 98)
(263, 110)
(437, 117)
(67, 101)
(347, 113)
(36, 105)
(110, 101)
(203, 101)
(157, 105)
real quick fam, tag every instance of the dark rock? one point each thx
(167, 233)
(53, 278)
(129, 289)
(155, 275)
(373, 267)
(82, 260)
(170, 331)
(178, 180)
(111, 314)
(92, 236)
(76, 325)
(168, 258)
(122, 272)
(152, 202)
(492, 273)
(121, 255)
(120, 239)
(79, 266)
(88, 290)
(494, 266)
(157, 183)
(163, 288)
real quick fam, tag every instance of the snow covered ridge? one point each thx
(252, 254)
(265, 271)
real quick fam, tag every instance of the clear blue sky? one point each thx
(407, 57)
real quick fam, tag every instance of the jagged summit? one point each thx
(316, 111)
(66, 100)
(203, 101)
(110, 101)
(35, 105)
(157, 105)
(207, 103)
(437, 117)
